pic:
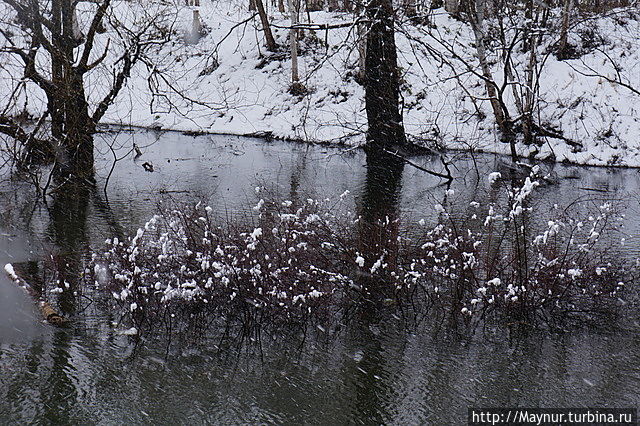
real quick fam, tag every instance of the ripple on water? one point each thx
(374, 373)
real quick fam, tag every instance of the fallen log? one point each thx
(50, 315)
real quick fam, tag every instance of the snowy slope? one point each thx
(242, 89)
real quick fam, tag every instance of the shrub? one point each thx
(299, 263)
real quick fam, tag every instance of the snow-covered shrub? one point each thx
(308, 261)
(287, 265)
(517, 261)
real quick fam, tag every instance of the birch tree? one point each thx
(294, 11)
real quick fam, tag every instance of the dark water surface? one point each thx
(374, 372)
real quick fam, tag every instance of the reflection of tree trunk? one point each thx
(370, 387)
(296, 177)
(377, 236)
(104, 211)
(68, 222)
(382, 82)
(59, 394)
(379, 227)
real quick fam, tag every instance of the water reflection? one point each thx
(378, 229)
(377, 371)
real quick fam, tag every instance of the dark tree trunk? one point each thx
(76, 159)
(314, 5)
(266, 27)
(382, 79)
(54, 104)
(334, 6)
(78, 141)
(563, 45)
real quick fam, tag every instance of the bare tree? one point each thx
(476, 16)
(44, 40)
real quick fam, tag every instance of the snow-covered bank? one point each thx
(239, 88)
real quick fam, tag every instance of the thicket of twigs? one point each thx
(302, 263)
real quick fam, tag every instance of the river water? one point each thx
(374, 372)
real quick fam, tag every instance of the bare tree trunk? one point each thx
(526, 33)
(294, 9)
(77, 157)
(382, 82)
(266, 27)
(281, 6)
(530, 93)
(475, 9)
(564, 30)
(314, 5)
(451, 6)
(54, 105)
(409, 7)
(508, 70)
(196, 27)
(361, 34)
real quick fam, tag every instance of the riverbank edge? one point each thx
(267, 137)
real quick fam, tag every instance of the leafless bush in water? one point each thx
(298, 264)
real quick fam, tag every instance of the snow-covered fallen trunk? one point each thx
(49, 314)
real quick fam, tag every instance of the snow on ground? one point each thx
(240, 88)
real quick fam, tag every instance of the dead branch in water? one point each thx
(447, 177)
(50, 315)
